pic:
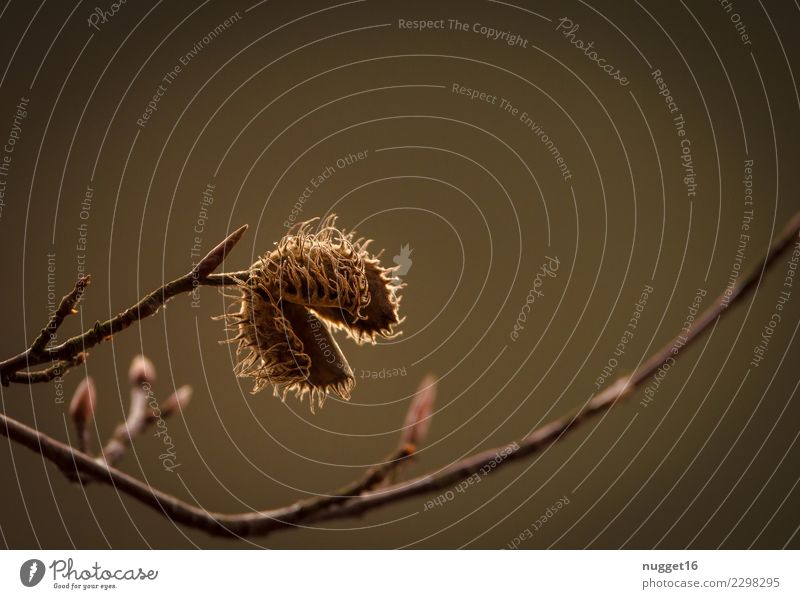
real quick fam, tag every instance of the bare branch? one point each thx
(227, 279)
(65, 308)
(48, 374)
(360, 496)
(216, 256)
(32, 356)
(66, 354)
(77, 466)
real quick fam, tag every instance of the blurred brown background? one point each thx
(287, 89)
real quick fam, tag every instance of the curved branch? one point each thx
(360, 496)
(77, 465)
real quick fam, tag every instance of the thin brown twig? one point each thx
(66, 352)
(66, 307)
(226, 279)
(77, 465)
(47, 374)
(352, 504)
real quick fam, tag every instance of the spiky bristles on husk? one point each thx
(311, 283)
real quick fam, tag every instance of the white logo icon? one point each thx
(403, 261)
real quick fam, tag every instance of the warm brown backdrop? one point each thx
(291, 87)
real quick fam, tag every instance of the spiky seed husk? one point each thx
(328, 370)
(271, 351)
(379, 317)
(311, 282)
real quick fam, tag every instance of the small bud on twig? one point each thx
(176, 402)
(141, 371)
(81, 410)
(143, 411)
(66, 307)
(418, 417)
(215, 257)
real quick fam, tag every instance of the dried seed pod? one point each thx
(273, 354)
(323, 268)
(314, 280)
(379, 317)
(328, 370)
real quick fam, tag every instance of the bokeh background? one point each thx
(286, 89)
